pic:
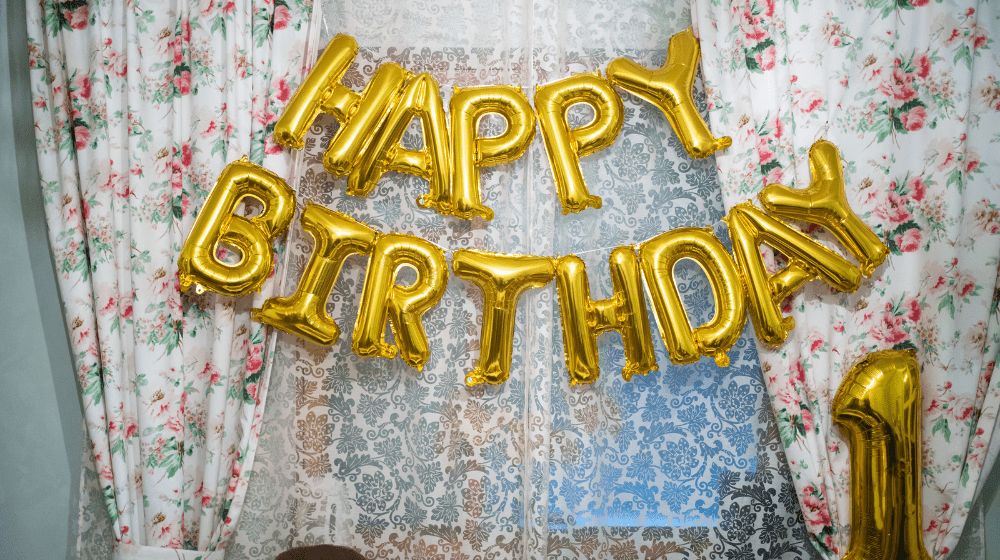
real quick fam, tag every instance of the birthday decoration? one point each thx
(669, 88)
(335, 237)
(367, 144)
(824, 203)
(468, 107)
(715, 338)
(402, 306)
(583, 319)
(503, 279)
(421, 99)
(878, 407)
(565, 146)
(808, 259)
(217, 225)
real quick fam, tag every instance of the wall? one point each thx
(41, 440)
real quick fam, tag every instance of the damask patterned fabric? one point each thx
(138, 107)
(370, 453)
(909, 92)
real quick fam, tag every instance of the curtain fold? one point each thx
(908, 91)
(400, 463)
(138, 107)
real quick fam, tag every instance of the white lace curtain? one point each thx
(908, 91)
(404, 464)
(138, 107)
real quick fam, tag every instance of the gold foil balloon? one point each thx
(878, 407)
(669, 88)
(335, 237)
(471, 152)
(565, 146)
(715, 338)
(321, 91)
(402, 306)
(503, 279)
(199, 263)
(421, 99)
(824, 203)
(583, 319)
(748, 228)
(363, 118)
(360, 115)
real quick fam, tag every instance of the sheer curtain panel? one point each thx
(407, 464)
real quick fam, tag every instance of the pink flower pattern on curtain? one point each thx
(138, 107)
(908, 90)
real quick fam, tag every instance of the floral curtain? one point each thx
(138, 107)
(401, 463)
(908, 90)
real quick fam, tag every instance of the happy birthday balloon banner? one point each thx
(740, 283)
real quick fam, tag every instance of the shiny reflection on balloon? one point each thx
(217, 224)
(564, 145)
(503, 279)
(584, 319)
(715, 338)
(402, 306)
(824, 203)
(335, 237)
(878, 407)
(669, 88)
(748, 228)
(470, 151)
(421, 99)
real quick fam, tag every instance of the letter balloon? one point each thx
(422, 99)
(503, 279)
(335, 237)
(565, 146)
(583, 319)
(824, 203)
(320, 92)
(217, 224)
(669, 88)
(807, 259)
(715, 338)
(402, 306)
(470, 152)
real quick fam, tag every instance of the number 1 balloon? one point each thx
(217, 224)
(878, 406)
(669, 88)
